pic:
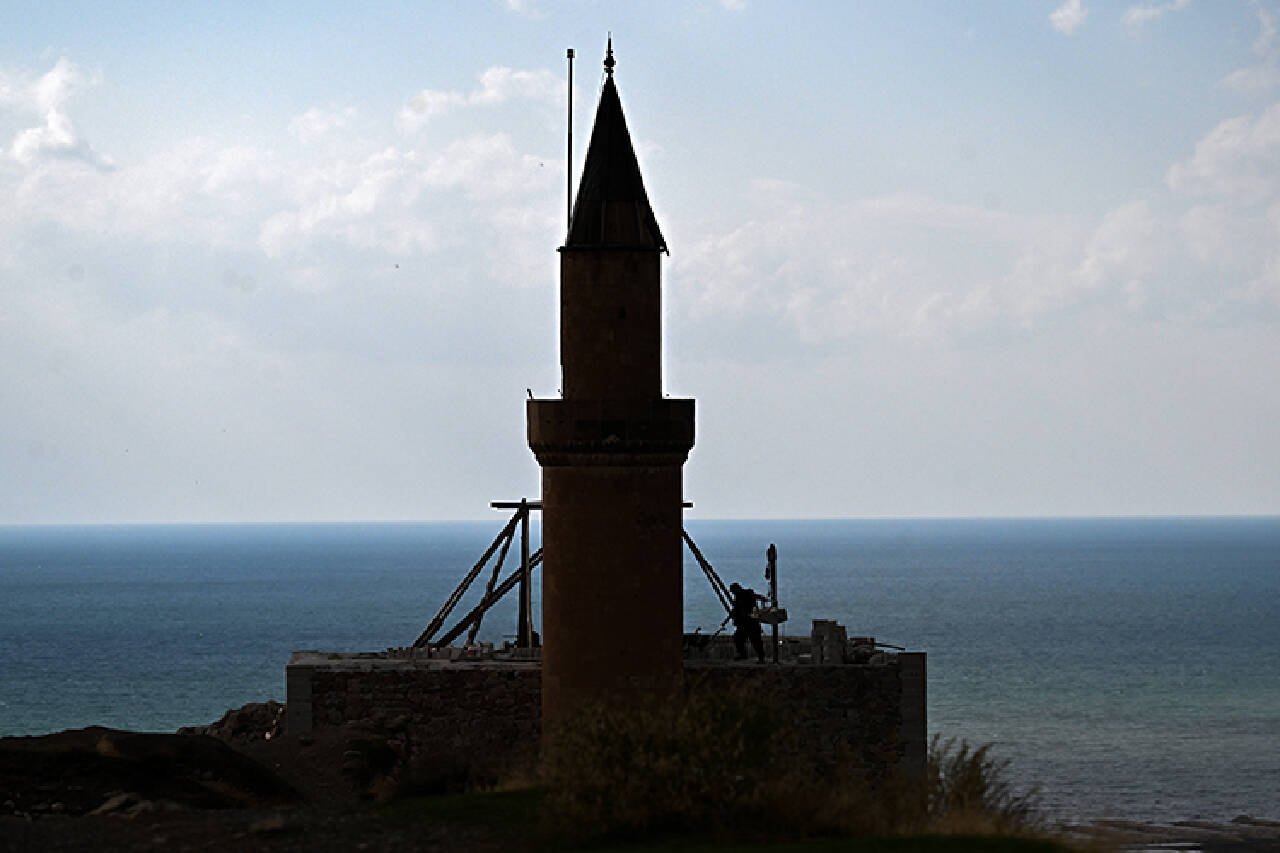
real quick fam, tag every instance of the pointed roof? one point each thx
(611, 208)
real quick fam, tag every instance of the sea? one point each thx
(1126, 668)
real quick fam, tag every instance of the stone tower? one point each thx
(612, 449)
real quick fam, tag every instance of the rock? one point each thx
(1254, 821)
(141, 807)
(197, 771)
(115, 804)
(248, 723)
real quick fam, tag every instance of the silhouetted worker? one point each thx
(745, 626)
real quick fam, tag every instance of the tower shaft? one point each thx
(611, 450)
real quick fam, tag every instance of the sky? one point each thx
(297, 261)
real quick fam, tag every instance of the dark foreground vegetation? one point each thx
(718, 774)
(728, 766)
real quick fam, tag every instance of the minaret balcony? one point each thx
(610, 432)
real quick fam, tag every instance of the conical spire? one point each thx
(611, 208)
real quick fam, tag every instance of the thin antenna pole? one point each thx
(568, 216)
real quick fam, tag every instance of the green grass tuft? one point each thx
(724, 766)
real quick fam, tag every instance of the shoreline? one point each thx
(1242, 833)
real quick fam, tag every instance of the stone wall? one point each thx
(484, 716)
(869, 714)
(476, 718)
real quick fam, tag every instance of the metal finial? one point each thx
(609, 61)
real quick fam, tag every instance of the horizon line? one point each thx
(479, 519)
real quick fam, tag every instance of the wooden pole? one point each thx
(509, 583)
(434, 624)
(772, 573)
(721, 591)
(568, 167)
(524, 630)
(488, 590)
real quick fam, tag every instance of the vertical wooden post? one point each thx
(568, 205)
(524, 630)
(772, 573)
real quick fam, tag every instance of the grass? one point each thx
(897, 844)
(715, 763)
(510, 814)
(722, 772)
(513, 820)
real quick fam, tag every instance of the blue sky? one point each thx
(279, 261)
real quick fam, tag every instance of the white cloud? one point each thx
(283, 245)
(297, 290)
(56, 137)
(910, 267)
(1265, 287)
(496, 86)
(364, 204)
(500, 84)
(831, 272)
(1121, 250)
(522, 7)
(734, 5)
(277, 204)
(1062, 266)
(1068, 17)
(822, 272)
(426, 105)
(1207, 231)
(1264, 76)
(1267, 26)
(1257, 79)
(1239, 159)
(316, 123)
(1136, 16)
(192, 193)
(486, 167)
(1233, 235)
(235, 313)
(403, 201)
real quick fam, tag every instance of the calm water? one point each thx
(1130, 667)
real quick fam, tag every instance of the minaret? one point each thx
(612, 449)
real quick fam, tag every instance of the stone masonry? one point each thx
(483, 716)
